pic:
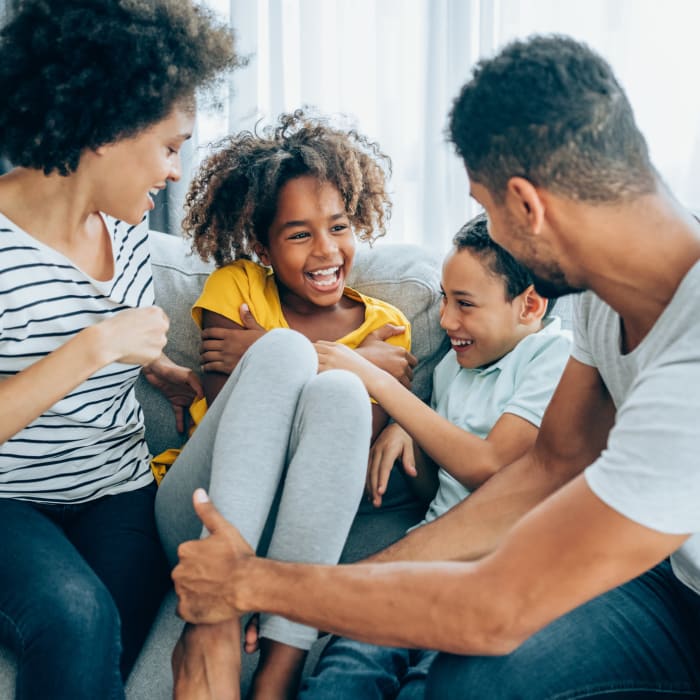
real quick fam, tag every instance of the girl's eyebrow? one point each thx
(304, 222)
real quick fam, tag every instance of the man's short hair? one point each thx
(549, 109)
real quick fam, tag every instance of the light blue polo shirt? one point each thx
(521, 382)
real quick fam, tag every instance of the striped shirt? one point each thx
(90, 443)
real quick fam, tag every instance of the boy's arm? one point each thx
(470, 459)
(573, 433)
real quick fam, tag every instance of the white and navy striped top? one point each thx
(90, 443)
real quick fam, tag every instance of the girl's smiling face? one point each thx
(311, 244)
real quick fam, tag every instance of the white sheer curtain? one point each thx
(395, 66)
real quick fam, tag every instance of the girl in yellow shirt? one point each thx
(279, 213)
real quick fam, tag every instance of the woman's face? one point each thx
(127, 174)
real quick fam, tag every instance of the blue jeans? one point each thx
(349, 670)
(79, 584)
(641, 640)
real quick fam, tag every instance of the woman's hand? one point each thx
(133, 336)
(180, 385)
(391, 444)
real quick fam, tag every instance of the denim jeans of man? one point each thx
(641, 641)
(79, 587)
(349, 670)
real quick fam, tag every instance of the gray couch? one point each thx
(406, 276)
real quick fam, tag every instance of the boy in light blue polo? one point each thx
(489, 395)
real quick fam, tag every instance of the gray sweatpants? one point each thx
(278, 432)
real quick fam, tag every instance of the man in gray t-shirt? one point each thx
(574, 571)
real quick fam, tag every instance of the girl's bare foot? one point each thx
(279, 671)
(206, 662)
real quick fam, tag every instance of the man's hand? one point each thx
(179, 384)
(222, 348)
(391, 444)
(203, 576)
(399, 363)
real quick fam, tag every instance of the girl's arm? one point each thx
(216, 367)
(134, 336)
(470, 459)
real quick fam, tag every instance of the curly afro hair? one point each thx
(79, 74)
(232, 199)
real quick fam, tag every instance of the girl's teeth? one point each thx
(328, 271)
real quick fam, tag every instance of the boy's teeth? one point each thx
(456, 341)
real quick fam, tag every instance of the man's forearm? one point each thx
(408, 605)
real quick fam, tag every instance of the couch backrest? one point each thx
(406, 276)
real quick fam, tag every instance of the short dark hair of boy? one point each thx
(550, 109)
(79, 74)
(232, 199)
(474, 236)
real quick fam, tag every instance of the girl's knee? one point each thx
(340, 389)
(286, 350)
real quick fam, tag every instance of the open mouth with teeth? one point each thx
(152, 194)
(326, 279)
(459, 344)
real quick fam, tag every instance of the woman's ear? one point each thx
(533, 306)
(525, 203)
(261, 251)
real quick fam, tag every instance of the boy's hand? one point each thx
(222, 348)
(338, 356)
(206, 567)
(179, 384)
(391, 444)
(395, 360)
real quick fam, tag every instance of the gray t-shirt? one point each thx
(650, 469)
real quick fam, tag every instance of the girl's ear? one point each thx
(533, 306)
(261, 252)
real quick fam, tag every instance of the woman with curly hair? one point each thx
(279, 212)
(98, 98)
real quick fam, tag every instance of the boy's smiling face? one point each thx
(481, 323)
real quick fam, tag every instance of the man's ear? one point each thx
(525, 203)
(261, 251)
(533, 306)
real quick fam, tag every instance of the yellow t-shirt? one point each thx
(247, 282)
